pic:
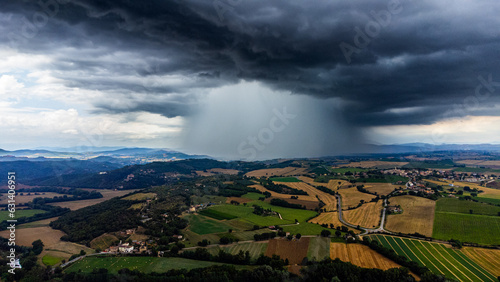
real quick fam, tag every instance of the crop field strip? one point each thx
(329, 200)
(287, 171)
(329, 218)
(439, 259)
(368, 215)
(254, 248)
(489, 259)
(360, 255)
(261, 188)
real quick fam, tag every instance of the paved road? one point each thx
(366, 230)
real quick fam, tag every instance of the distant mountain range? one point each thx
(122, 156)
(425, 147)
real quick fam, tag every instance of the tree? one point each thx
(298, 236)
(37, 246)
(325, 233)
(338, 233)
(471, 211)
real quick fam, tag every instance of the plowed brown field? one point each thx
(329, 200)
(295, 251)
(368, 215)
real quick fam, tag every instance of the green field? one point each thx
(255, 249)
(488, 200)
(50, 260)
(346, 169)
(217, 214)
(319, 248)
(437, 257)
(246, 213)
(305, 228)
(463, 206)
(144, 264)
(252, 196)
(195, 200)
(203, 225)
(4, 215)
(482, 229)
(284, 179)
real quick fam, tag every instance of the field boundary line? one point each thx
(410, 251)
(452, 263)
(438, 260)
(422, 255)
(466, 258)
(394, 248)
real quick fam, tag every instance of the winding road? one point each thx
(367, 230)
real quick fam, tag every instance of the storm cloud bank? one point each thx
(346, 66)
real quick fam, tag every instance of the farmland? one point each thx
(145, 264)
(417, 216)
(489, 259)
(104, 241)
(328, 218)
(255, 249)
(467, 207)
(246, 213)
(319, 248)
(360, 255)
(203, 225)
(351, 197)
(107, 194)
(333, 184)
(295, 251)
(140, 196)
(480, 229)
(376, 164)
(4, 215)
(380, 188)
(284, 196)
(368, 215)
(25, 198)
(284, 179)
(438, 258)
(343, 170)
(287, 171)
(54, 248)
(329, 200)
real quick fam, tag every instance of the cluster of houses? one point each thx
(137, 247)
(196, 208)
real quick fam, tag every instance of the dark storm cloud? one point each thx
(427, 55)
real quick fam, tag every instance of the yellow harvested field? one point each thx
(351, 197)
(329, 200)
(480, 163)
(29, 232)
(487, 258)
(381, 188)
(487, 192)
(25, 198)
(287, 171)
(140, 197)
(223, 171)
(368, 215)
(417, 216)
(333, 184)
(329, 218)
(284, 196)
(107, 194)
(360, 255)
(379, 164)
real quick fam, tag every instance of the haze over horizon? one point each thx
(248, 79)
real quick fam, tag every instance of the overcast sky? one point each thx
(248, 79)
